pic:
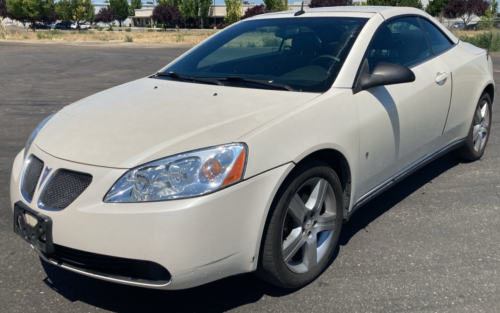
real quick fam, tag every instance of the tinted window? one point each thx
(401, 41)
(439, 41)
(305, 53)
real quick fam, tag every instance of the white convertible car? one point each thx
(248, 153)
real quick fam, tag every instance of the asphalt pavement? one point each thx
(429, 244)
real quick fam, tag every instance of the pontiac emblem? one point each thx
(44, 176)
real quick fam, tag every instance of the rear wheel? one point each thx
(304, 228)
(478, 136)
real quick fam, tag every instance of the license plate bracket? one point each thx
(40, 234)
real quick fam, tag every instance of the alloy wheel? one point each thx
(481, 126)
(309, 225)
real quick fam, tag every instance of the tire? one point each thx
(477, 139)
(302, 231)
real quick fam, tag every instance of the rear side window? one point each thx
(401, 41)
(439, 41)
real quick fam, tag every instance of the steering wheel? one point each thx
(324, 56)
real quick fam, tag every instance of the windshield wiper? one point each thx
(190, 78)
(263, 82)
(219, 80)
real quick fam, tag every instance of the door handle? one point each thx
(441, 78)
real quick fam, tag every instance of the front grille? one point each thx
(32, 173)
(103, 265)
(63, 188)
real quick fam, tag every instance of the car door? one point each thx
(401, 123)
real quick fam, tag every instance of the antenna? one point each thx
(301, 10)
(489, 47)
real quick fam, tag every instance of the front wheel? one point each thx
(303, 230)
(479, 131)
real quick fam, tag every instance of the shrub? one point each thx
(45, 35)
(110, 29)
(482, 40)
(179, 37)
(128, 39)
(221, 26)
(167, 14)
(128, 30)
(120, 30)
(150, 30)
(100, 28)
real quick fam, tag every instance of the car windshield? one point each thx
(295, 54)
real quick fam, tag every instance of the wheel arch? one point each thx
(336, 160)
(490, 89)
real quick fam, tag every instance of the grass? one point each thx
(184, 37)
(481, 39)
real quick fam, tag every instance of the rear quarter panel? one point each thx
(471, 73)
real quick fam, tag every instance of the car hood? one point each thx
(150, 118)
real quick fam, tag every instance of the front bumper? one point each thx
(197, 240)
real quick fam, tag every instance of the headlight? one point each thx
(182, 176)
(35, 133)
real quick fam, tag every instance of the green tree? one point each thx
(436, 7)
(121, 8)
(29, 10)
(204, 10)
(190, 9)
(16, 10)
(233, 11)
(276, 5)
(487, 20)
(397, 3)
(76, 11)
(36, 10)
(135, 4)
(494, 6)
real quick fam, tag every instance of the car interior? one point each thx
(305, 56)
(402, 42)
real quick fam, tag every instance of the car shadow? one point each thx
(388, 199)
(231, 292)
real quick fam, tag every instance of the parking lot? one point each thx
(429, 244)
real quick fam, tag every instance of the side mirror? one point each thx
(383, 74)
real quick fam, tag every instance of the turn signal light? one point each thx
(235, 174)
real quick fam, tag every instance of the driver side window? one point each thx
(401, 41)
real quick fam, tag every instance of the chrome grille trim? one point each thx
(33, 168)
